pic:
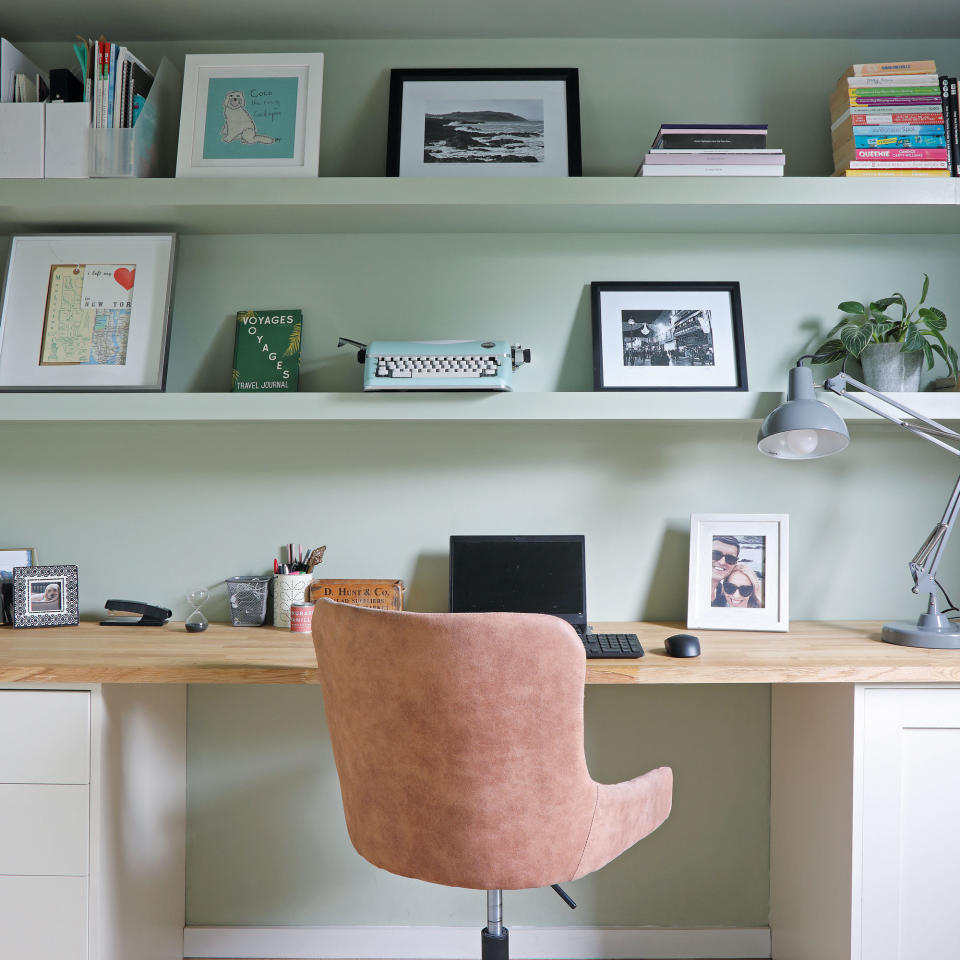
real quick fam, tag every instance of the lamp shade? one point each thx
(802, 428)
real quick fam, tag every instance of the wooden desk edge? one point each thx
(811, 652)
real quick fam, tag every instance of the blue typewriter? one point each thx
(438, 364)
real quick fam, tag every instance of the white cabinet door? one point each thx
(910, 828)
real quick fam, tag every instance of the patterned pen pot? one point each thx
(288, 588)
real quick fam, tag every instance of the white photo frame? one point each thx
(250, 115)
(87, 312)
(752, 591)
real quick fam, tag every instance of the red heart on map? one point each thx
(124, 277)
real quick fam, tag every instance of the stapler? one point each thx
(149, 615)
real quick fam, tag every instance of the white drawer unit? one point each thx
(43, 918)
(92, 822)
(44, 736)
(45, 829)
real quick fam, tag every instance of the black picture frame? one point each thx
(56, 605)
(717, 351)
(567, 76)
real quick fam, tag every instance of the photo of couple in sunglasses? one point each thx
(736, 571)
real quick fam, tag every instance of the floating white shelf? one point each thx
(430, 407)
(479, 205)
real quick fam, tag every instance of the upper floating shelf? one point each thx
(485, 205)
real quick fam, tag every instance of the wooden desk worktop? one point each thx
(812, 652)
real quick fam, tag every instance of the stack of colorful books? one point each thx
(712, 150)
(887, 119)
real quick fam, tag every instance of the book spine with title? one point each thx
(889, 118)
(890, 68)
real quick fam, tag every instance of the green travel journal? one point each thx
(267, 353)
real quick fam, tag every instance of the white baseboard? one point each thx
(463, 943)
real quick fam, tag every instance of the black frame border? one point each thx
(568, 75)
(731, 287)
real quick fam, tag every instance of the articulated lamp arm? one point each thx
(923, 567)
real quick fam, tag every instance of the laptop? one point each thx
(530, 574)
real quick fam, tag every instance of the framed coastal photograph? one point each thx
(667, 336)
(250, 115)
(11, 557)
(484, 123)
(87, 312)
(45, 596)
(739, 572)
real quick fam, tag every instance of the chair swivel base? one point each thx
(493, 946)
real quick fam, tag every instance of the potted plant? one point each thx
(891, 349)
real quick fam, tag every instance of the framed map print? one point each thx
(86, 312)
(250, 115)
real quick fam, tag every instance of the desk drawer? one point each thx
(43, 918)
(44, 736)
(44, 830)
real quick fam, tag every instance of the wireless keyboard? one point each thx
(610, 646)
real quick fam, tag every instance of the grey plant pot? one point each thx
(888, 369)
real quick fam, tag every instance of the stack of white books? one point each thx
(712, 150)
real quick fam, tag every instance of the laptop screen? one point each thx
(519, 575)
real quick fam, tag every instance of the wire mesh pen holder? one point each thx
(248, 600)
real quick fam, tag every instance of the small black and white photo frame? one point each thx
(46, 596)
(667, 336)
(522, 122)
(739, 572)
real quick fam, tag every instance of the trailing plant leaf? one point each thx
(936, 319)
(926, 287)
(852, 306)
(914, 340)
(928, 353)
(854, 338)
(829, 351)
(882, 329)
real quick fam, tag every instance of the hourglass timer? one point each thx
(196, 622)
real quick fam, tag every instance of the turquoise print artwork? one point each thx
(251, 118)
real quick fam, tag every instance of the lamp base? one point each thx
(912, 635)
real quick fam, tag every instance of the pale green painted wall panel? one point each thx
(153, 511)
(628, 87)
(532, 289)
(217, 499)
(268, 845)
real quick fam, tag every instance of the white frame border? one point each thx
(308, 117)
(774, 616)
(156, 286)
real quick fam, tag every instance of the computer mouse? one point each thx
(682, 645)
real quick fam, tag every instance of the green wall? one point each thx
(154, 510)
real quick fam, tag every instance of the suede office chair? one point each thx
(458, 739)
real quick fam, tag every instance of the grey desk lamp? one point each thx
(804, 428)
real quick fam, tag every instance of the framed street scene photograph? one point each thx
(45, 596)
(250, 115)
(11, 557)
(87, 312)
(739, 571)
(667, 336)
(484, 123)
